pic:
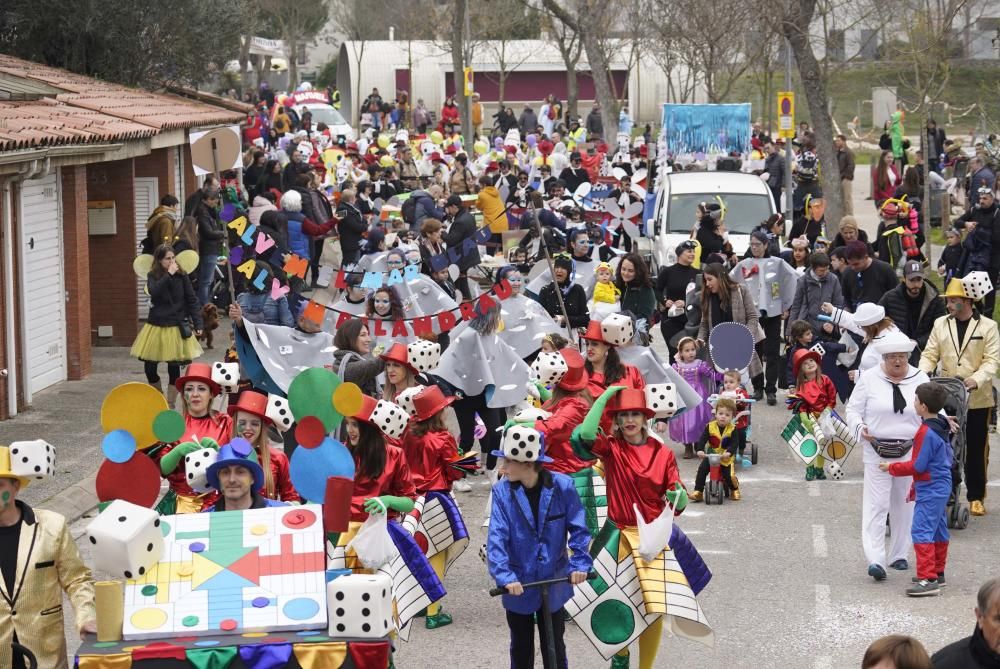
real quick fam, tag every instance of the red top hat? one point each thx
(493, 166)
(630, 399)
(397, 353)
(593, 332)
(576, 378)
(198, 371)
(428, 402)
(451, 149)
(367, 407)
(251, 402)
(801, 356)
(436, 157)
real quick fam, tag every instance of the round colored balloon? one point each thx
(383, 141)
(168, 426)
(348, 398)
(309, 433)
(310, 468)
(437, 138)
(118, 446)
(309, 395)
(133, 407)
(386, 161)
(480, 147)
(136, 481)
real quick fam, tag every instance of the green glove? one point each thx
(385, 502)
(522, 423)
(169, 462)
(208, 442)
(588, 429)
(543, 393)
(678, 497)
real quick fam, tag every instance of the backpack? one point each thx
(146, 245)
(409, 210)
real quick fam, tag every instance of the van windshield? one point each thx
(744, 211)
(321, 114)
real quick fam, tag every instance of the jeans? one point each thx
(522, 639)
(206, 276)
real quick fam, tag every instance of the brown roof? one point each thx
(89, 98)
(46, 122)
(211, 98)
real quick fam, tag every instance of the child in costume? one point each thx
(801, 337)
(930, 466)
(641, 471)
(605, 290)
(719, 437)
(203, 428)
(429, 448)
(702, 378)
(814, 392)
(249, 421)
(554, 341)
(523, 550)
(951, 255)
(733, 390)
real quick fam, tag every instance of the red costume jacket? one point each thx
(428, 457)
(557, 428)
(218, 426)
(394, 480)
(283, 488)
(817, 395)
(639, 475)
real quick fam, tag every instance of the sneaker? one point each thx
(923, 588)
(462, 486)
(876, 571)
(810, 473)
(696, 496)
(820, 474)
(976, 507)
(771, 399)
(619, 661)
(900, 565)
(940, 580)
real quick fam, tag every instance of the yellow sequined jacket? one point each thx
(48, 563)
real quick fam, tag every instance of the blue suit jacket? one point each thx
(518, 549)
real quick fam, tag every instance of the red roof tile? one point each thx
(46, 122)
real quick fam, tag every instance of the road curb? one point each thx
(75, 501)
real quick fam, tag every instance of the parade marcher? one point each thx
(574, 297)
(39, 562)
(930, 466)
(868, 322)
(250, 421)
(162, 338)
(814, 392)
(203, 427)
(637, 294)
(702, 378)
(353, 361)
(524, 548)
(881, 412)
(982, 649)
(640, 471)
(604, 364)
(672, 284)
(725, 301)
(462, 227)
(848, 231)
(429, 448)
(984, 215)
(719, 438)
(914, 305)
(161, 225)
(965, 344)
(238, 479)
(818, 286)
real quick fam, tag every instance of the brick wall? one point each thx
(76, 250)
(4, 414)
(159, 164)
(112, 284)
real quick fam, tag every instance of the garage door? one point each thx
(146, 199)
(43, 284)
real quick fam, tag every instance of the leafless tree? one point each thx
(298, 23)
(570, 48)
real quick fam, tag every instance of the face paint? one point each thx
(5, 499)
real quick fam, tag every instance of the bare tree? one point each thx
(298, 23)
(570, 49)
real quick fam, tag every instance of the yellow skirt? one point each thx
(158, 343)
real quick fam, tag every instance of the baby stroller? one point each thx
(957, 406)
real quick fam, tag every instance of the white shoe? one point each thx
(462, 486)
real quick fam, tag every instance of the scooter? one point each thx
(715, 489)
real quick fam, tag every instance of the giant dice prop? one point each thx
(34, 459)
(227, 375)
(549, 368)
(125, 539)
(278, 411)
(390, 418)
(196, 468)
(359, 605)
(405, 399)
(661, 398)
(424, 355)
(522, 443)
(977, 285)
(617, 329)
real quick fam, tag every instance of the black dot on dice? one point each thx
(383, 592)
(122, 519)
(385, 624)
(128, 574)
(142, 570)
(366, 612)
(93, 540)
(515, 451)
(340, 596)
(366, 628)
(149, 547)
(38, 468)
(530, 455)
(340, 612)
(156, 523)
(281, 412)
(14, 450)
(366, 597)
(24, 459)
(532, 437)
(340, 627)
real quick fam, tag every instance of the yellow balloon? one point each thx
(347, 399)
(437, 138)
(386, 161)
(481, 147)
(383, 141)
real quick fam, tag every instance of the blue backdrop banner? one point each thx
(707, 129)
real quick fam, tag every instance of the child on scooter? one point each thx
(719, 437)
(733, 390)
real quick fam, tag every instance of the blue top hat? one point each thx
(237, 452)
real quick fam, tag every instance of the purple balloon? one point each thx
(498, 143)
(532, 140)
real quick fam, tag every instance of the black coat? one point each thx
(172, 299)
(350, 228)
(969, 653)
(210, 231)
(989, 219)
(931, 308)
(462, 228)
(575, 301)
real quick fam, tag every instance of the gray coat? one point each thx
(745, 312)
(810, 295)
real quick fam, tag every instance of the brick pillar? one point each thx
(76, 252)
(4, 363)
(159, 164)
(191, 182)
(112, 286)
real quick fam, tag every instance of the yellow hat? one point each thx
(5, 470)
(955, 289)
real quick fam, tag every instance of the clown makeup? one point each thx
(413, 257)
(197, 396)
(394, 261)
(516, 282)
(395, 373)
(248, 426)
(632, 424)
(353, 432)
(6, 493)
(382, 303)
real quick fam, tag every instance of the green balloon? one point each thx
(311, 394)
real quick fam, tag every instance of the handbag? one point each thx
(185, 327)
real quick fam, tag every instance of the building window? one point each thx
(301, 56)
(868, 44)
(835, 46)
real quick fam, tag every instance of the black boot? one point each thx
(758, 387)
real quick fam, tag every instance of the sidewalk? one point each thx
(68, 416)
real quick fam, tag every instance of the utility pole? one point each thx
(467, 127)
(789, 187)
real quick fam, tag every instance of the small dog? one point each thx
(210, 318)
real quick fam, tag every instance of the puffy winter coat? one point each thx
(931, 308)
